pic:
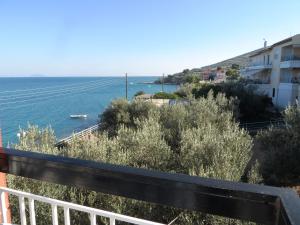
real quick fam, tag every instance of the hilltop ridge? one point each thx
(181, 77)
(241, 60)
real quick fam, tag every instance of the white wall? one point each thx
(284, 95)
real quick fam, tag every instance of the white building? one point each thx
(276, 70)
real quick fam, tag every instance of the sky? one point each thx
(140, 37)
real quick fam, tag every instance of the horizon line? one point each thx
(46, 76)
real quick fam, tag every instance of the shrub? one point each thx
(200, 138)
(164, 95)
(252, 106)
(121, 112)
(280, 151)
(232, 74)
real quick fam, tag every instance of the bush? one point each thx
(200, 138)
(252, 106)
(280, 151)
(232, 74)
(121, 112)
(164, 95)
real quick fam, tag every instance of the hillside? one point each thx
(241, 60)
(181, 77)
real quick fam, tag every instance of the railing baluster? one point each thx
(67, 215)
(22, 210)
(93, 219)
(112, 221)
(32, 212)
(3, 207)
(54, 214)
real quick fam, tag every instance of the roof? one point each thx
(276, 44)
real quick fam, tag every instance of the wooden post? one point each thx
(3, 183)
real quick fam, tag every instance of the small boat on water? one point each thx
(78, 116)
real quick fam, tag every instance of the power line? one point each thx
(36, 97)
(49, 87)
(48, 97)
(50, 91)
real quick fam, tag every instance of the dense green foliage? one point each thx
(280, 151)
(121, 112)
(252, 106)
(164, 95)
(200, 138)
(186, 76)
(232, 74)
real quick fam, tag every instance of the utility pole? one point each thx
(162, 83)
(126, 78)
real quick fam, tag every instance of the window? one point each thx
(273, 95)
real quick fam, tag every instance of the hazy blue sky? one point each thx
(141, 37)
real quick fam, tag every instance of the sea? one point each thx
(49, 101)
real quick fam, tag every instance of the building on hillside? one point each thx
(206, 74)
(149, 98)
(276, 71)
(145, 97)
(214, 74)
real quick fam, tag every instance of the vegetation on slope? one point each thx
(279, 151)
(186, 75)
(201, 139)
(251, 106)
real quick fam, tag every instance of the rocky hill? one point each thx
(241, 60)
(182, 77)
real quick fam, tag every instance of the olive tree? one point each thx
(199, 138)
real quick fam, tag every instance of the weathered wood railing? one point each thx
(262, 204)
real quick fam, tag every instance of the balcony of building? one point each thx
(31, 200)
(291, 76)
(260, 76)
(260, 62)
(290, 57)
(259, 66)
(257, 203)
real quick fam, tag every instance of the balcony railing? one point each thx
(257, 203)
(290, 58)
(66, 206)
(257, 66)
(289, 79)
(291, 61)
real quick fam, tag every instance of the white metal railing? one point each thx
(258, 66)
(80, 133)
(113, 217)
(290, 64)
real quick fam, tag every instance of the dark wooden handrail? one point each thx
(262, 204)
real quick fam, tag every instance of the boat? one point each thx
(78, 116)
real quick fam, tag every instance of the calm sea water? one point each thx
(50, 101)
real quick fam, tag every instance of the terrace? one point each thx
(290, 57)
(257, 203)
